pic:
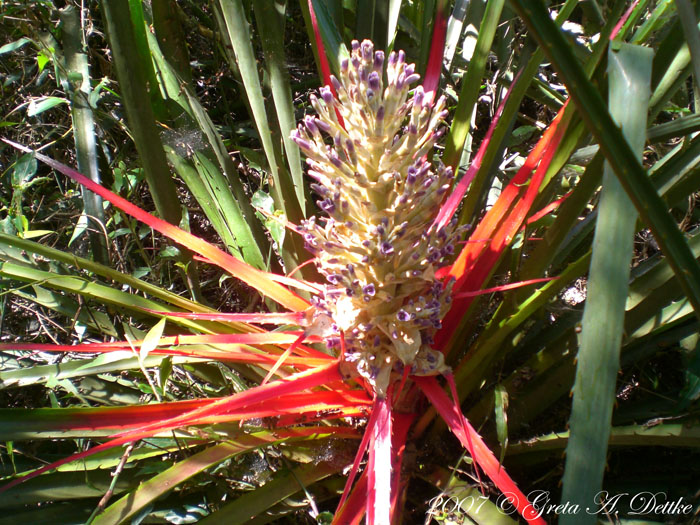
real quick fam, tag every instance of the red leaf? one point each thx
(482, 455)
(258, 279)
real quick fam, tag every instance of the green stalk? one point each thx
(84, 127)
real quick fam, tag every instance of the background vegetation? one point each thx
(186, 108)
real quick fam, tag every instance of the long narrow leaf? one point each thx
(603, 319)
(246, 273)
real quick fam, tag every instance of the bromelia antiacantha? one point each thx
(376, 247)
(380, 248)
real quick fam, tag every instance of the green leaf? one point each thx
(79, 229)
(42, 104)
(603, 319)
(150, 342)
(24, 169)
(14, 46)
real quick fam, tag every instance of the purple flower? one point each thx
(334, 278)
(386, 248)
(403, 316)
(369, 290)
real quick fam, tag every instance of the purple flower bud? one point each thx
(410, 79)
(355, 62)
(392, 58)
(403, 199)
(378, 60)
(344, 64)
(366, 243)
(310, 124)
(427, 182)
(327, 95)
(350, 268)
(418, 97)
(302, 143)
(386, 248)
(321, 190)
(377, 340)
(333, 157)
(402, 56)
(323, 125)
(415, 256)
(349, 292)
(363, 74)
(412, 129)
(400, 82)
(335, 82)
(355, 44)
(349, 146)
(369, 290)
(374, 81)
(326, 205)
(367, 49)
(334, 278)
(410, 69)
(380, 113)
(349, 224)
(403, 316)
(365, 259)
(370, 94)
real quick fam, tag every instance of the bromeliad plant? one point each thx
(384, 249)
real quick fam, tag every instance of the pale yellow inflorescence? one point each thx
(376, 248)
